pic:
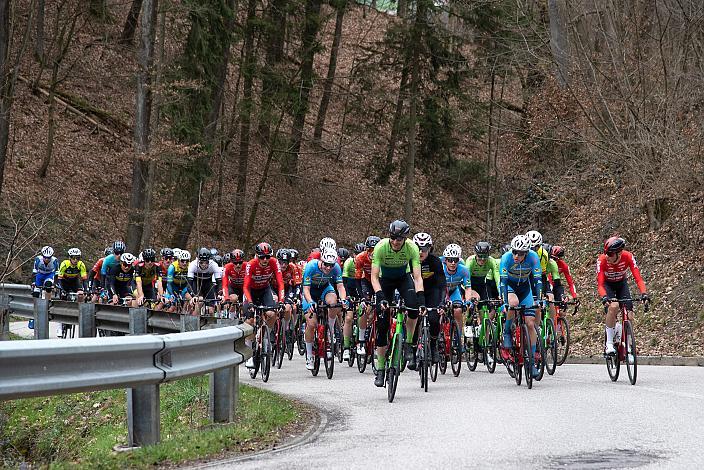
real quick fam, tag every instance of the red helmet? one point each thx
(263, 249)
(557, 252)
(614, 245)
(237, 256)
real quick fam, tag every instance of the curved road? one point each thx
(577, 418)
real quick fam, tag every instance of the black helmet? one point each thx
(149, 254)
(482, 248)
(399, 228)
(263, 249)
(108, 251)
(283, 254)
(547, 248)
(343, 253)
(204, 254)
(614, 245)
(218, 260)
(371, 241)
(359, 247)
(167, 253)
(226, 258)
(294, 253)
(118, 247)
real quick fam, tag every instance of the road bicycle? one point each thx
(483, 337)
(624, 343)
(426, 366)
(394, 353)
(324, 342)
(562, 328)
(261, 347)
(451, 344)
(518, 359)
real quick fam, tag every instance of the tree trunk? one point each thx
(275, 34)
(6, 91)
(558, 42)
(332, 66)
(385, 170)
(140, 169)
(128, 30)
(39, 41)
(289, 165)
(99, 9)
(245, 120)
(402, 10)
(49, 149)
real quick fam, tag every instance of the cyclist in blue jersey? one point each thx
(118, 248)
(457, 280)
(520, 282)
(45, 267)
(318, 277)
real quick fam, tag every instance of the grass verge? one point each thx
(80, 430)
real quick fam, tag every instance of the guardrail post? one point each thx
(143, 427)
(189, 323)
(41, 318)
(4, 317)
(224, 385)
(86, 320)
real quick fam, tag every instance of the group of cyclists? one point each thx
(357, 288)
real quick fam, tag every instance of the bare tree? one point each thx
(130, 26)
(558, 41)
(6, 91)
(140, 168)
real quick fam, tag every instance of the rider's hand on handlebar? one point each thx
(605, 300)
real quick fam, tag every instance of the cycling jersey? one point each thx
(490, 270)
(395, 264)
(315, 278)
(363, 266)
(119, 282)
(615, 272)
(108, 262)
(544, 258)
(258, 277)
(520, 276)
(176, 278)
(459, 278)
(348, 268)
(434, 282)
(148, 276)
(44, 271)
(71, 272)
(232, 278)
(564, 271)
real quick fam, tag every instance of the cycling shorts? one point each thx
(317, 295)
(619, 290)
(455, 296)
(259, 297)
(525, 296)
(41, 277)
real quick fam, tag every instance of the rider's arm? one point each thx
(503, 276)
(600, 278)
(565, 270)
(279, 280)
(226, 278)
(537, 273)
(636, 273)
(247, 282)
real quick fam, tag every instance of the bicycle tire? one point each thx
(391, 382)
(265, 356)
(562, 332)
(456, 349)
(490, 349)
(613, 363)
(539, 355)
(361, 362)
(329, 353)
(434, 367)
(289, 347)
(253, 371)
(338, 349)
(424, 356)
(442, 365)
(353, 355)
(316, 366)
(517, 364)
(551, 350)
(374, 360)
(280, 346)
(471, 355)
(630, 343)
(525, 353)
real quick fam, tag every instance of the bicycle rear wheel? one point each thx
(265, 356)
(471, 354)
(280, 345)
(550, 356)
(490, 348)
(539, 357)
(631, 354)
(442, 346)
(525, 353)
(456, 351)
(613, 363)
(329, 353)
(562, 332)
(255, 358)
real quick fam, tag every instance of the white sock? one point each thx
(609, 335)
(331, 324)
(360, 336)
(309, 350)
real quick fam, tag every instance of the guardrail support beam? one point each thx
(143, 415)
(41, 318)
(86, 320)
(4, 317)
(189, 323)
(138, 321)
(224, 387)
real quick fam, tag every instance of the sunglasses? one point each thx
(483, 257)
(452, 260)
(519, 253)
(168, 258)
(329, 265)
(264, 256)
(613, 253)
(397, 238)
(75, 257)
(425, 249)
(127, 265)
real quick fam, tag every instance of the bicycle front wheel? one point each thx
(392, 374)
(631, 355)
(562, 333)
(442, 345)
(613, 363)
(490, 349)
(265, 355)
(329, 353)
(551, 349)
(526, 356)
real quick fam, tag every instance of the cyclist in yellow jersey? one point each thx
(73, 275)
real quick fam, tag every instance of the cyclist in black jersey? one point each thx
(434, 285)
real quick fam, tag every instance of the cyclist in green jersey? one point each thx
(483, 269)
(396, 266)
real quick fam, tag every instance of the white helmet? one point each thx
(74, 253)
(177, 253)
(327, 242)
(127, 258)
(184, 255)
(534, 238)
(328, 256)
(47, 252)
(422, 239)
(520, 243)
(453, 250)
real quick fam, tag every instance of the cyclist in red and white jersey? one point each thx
(611, 268)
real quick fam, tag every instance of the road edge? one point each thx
(643, 360)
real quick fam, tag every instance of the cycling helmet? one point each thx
(149, 254)
(214, 252)
(118, 247)
(557, 252)
(204, 254)
(520, 243)
(263, 249)
(74, 253)
(329, 256)
(547, 248)
(294, 253)
(482, 248)
(534, 238)
(453, 250)
(283, 255)
(177, 253)
(184, 255)
(108, 251)
(371, 241)
(343, 253)
(237, 256)
(505, 248)
(227, 258)
(167, 253)
(423, 239)
(47, 252)
(218, 260)
(614, 245)
(399, 228)
(358, 248)
(327, 242)
(162, 252)
(139, 258)
(127, 258)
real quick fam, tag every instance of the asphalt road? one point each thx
(577, 418)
